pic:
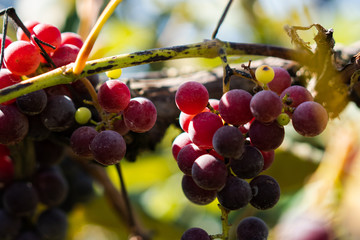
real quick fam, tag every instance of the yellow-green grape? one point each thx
(116, 73)
(264, 74)
(82, 115)
(283, 119)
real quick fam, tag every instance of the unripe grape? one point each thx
(82, 115)
(116, 73)
(264, 74)
(283, 119)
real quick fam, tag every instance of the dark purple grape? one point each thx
(37, 130)
(266, 136)
(32, 103)
(80, 140)
(195, 234)
(209, 172)
(59, 113)
(266, 192)
(20, 199)
(310, 119)
(265, 106)
(228, 141)
(252, 228)
(9, 225)
(48, 152)
(52, 224)
(236, 193)
(249, 165)
(108, 147)
(196, 194)
(51, 186)
(187, 156)
(13, 125)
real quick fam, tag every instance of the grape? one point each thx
(59, 113)
(296, 95)
(108, 147)
(114, 96)
(236, 193)
(214, 103)
(116, 73)
(252, 228)
(267, 136)
(184, 119)
(281, 81)
(120, 126)
(20, 35)
(20, 199)
(49, 34)
(52, 224)
(228, 141)
(269, 158)
(4, 150)
(21, 58)
(310, 119)
(202, 129)
(265, 106)
(191, 97)
(82, 115)
(187, 156)
(32, 103)
(48, 152)
(51, 186)
(264, 74)
(9, 225)
(65, 54)
(196, 194)
(195, 234)
(249, 165)
(234, 107)
(7, 170)
(71, 38)
(140, 115)
(13, 125)
(283, 119)
(209, 172)
(179, 142)
(266, 192)
(7, 79)
(215, 154)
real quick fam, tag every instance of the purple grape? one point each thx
(310, 119)
(281, 81)
(20, 199)
(249, 165)
(13, 125)
(108, 147)
(236, 193)
(228, 141)
(59, 113)
(266, 192)
(209, 172)
(252, 228)
(187, 156)
(196, 194)
(52, 224)
(234, 107)
(266, 136)
(37, 131)
(80, 140)
(32, 103)
(296, 95)
(195, 234)
(48, 152)
(266, 106)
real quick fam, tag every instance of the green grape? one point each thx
(116, 73)
(264, 74)
(82, 115)
(283, 119)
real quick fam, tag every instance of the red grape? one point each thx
(187, 156)
(65, 54)
(269, 157)
(49, 34)
(7, 79)
(21, 58)
(120, 126)
(184, 119)
(179, 142)
(203, 127)
(266, 106)
(71, 38)
(191, 97)
(20, 35)
(234, 107)
(296, 95)
(310, 119)
(140, 114)
(114, 96)
(281, 81)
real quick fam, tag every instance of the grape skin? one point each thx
(266, 137)
(195, 234)
(114, 96)
(252, 228)
(196, 194)
(228, 141)
(296, 95)
(187, 156)
(266, 106)
(281, 81)
(266, 192)
(32, 103)
(13, 125)
(191, 97)
(249, 165)
(47, 33)
(179, 142)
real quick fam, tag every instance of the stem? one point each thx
(225, 222)
(125, 196)
(206, 49)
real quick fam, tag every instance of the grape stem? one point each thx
(206, 49)
(225, 224)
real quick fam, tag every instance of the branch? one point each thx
(206, 49)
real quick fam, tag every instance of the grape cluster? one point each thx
(37, 129)
(228, 142)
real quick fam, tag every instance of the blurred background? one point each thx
(317, 176)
